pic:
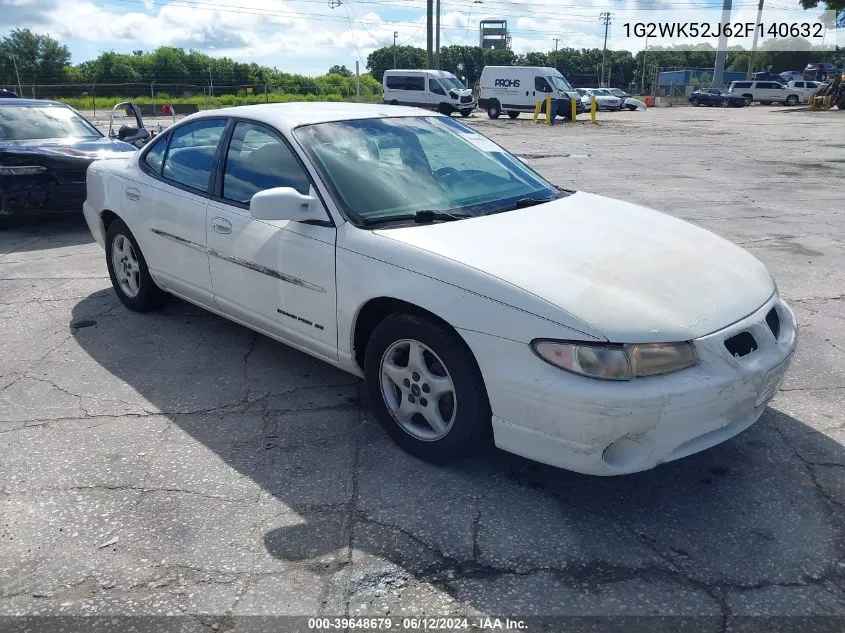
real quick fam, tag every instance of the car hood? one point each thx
(634, 274)
(69, 148)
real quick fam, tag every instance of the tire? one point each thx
(394, 102)
(445, 358)
(695, 102)
(445, 109)
(513, 114)
(792, 100)
(725, 103)
(148, 296)
(748, 99)
(466, 113)
(494, 110)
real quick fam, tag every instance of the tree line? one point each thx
(39, 59)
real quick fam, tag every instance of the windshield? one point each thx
(726, 93)
(602, 93)
(452, 82)
(560, 83)
(25, 123)
(391, 168)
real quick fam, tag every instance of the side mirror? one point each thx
(282, 203)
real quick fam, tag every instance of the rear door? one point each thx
(276, 275)
(171, 194)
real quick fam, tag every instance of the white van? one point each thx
(431, 89)
(515, 89)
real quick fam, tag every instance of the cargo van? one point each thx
(515, 89)
(431, 89)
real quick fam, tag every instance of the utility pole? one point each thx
(605, 17)
(555, 57)
(395, 35)
(722, 51)
(437, 36)
(429, 19)
(754, 44)
(642, 78)
(357, 81)
(210, 83)
(17, 74)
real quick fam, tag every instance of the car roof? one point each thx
(13, 101)
(286, 116)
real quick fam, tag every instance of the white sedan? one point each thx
(476, 298)
(604, 99)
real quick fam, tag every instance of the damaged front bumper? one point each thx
(608, 428)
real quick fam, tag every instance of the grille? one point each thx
(773, 321)
(466, 99)
(741, 345)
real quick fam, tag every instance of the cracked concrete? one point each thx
(178, 464)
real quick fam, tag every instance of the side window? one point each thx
(155, 155)
(403, 82)
(256, 160)
(541, 85)
(190, 156)
(435, 87)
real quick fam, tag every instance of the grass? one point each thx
(209, 103)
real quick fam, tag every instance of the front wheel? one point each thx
(425, 388)
(695, 103)
(465, 113)
(725, 103)
(128, 271)
(748, 99)
(494, 110)
(792, 100)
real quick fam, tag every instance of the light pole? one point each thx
(554, 63)
(395, 35)
(437, 37)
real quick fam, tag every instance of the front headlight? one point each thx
(617, 362)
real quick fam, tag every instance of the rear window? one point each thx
(742, 84)
(405, 82)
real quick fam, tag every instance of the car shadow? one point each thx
(495, 533)
(29, 234)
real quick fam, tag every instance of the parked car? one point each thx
(716, 97)
(45, 149)
(767, 76)
(476, 298)
(821, 72)
(604, 100)
(766, 92)
(7, 94)
(791, 75)
(624, 97)
(804, 88)
(434, 89)
(515, 89)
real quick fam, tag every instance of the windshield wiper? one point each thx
(424, 216)
(528, 202)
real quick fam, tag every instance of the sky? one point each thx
(309, 36)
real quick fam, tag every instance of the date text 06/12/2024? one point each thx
(811, 30)
(416, 624)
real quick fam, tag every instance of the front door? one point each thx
(276, 275)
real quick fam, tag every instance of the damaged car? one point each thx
(45, 150)
(477, 299)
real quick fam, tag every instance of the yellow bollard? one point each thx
(537, 110)
(593, 108)
(574, 109)
(548, 110)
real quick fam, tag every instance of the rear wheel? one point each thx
(494, 110)
(128, 271)
(444, 108)
(425, 388)
(748, 99)
(725, 103)
(695, 102)
(466, 113)
(513, 114)
(792, 100)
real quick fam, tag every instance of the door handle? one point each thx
(132, 194)
(221, 226)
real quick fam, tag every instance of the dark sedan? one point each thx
(716, 97)
(45, 150)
